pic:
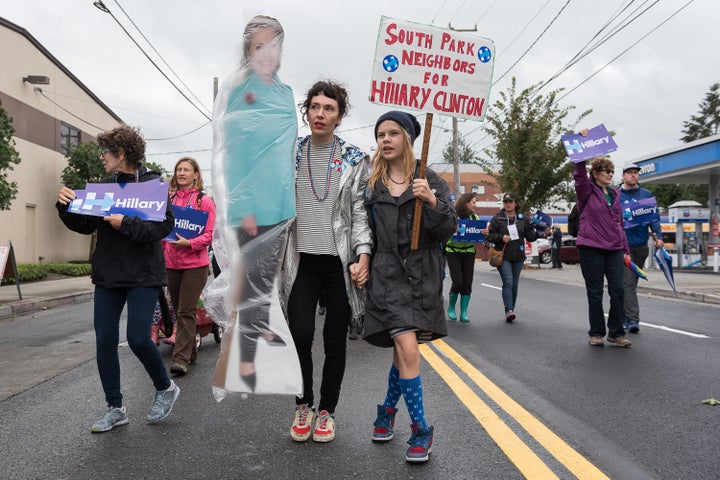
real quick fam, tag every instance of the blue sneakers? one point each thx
(420, 444)
(384, 424)
(113, 417)
(163, 403)
(633, 327)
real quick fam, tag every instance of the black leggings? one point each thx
(462, 267)
(318, 273)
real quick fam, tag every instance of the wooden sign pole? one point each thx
(421, 174)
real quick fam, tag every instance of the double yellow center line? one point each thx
(529, 464)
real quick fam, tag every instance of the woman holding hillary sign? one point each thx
(187, 261)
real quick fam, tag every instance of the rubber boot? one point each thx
(452, 300)
(464, 301)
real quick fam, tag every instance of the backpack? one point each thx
(573, 222)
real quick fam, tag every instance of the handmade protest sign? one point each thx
(598, 141)
(145, 200)
(189, 223)
(434, 70)
(470, 231)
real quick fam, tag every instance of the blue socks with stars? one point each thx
(393, 392)
(412, 391)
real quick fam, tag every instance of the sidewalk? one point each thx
(43, 295)
(691, 285)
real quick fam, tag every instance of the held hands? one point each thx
(360, 271)
(421, 190)
(507, 238)
(65, 196)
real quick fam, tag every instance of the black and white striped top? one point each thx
(314, 208)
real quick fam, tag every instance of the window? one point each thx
(462, 189)
(69, 138)
(478, 189)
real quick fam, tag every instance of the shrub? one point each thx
(37, 271)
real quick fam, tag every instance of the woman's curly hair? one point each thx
(125, 138)
(600, 164)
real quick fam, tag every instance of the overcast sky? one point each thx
(644, 96)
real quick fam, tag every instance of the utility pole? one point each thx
(455, 137)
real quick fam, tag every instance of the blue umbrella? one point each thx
(665, 263)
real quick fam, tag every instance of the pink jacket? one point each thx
(197, 255)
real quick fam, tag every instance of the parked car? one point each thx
(568, 251)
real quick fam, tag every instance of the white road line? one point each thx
(659, 327)
(674, 330)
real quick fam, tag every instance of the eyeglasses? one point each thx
(103, 151)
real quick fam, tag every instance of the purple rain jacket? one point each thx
(601, 226)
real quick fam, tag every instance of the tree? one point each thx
(707, 122)
(84, 166)
(532, 161)
(156, 167)
(667, 194)
(465, 153)
(8, 157)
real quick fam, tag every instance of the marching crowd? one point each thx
(327, 220)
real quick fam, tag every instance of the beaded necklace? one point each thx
(327, 176)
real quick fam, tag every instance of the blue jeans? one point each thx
(510, 275)
(598, 264)
(109, 303)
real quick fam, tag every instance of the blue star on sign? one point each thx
(484, 54)
(390, 63)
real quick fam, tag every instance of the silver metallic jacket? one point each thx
(351, 231)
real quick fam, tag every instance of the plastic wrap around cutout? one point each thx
(254, 135)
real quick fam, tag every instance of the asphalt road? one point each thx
(527, 400)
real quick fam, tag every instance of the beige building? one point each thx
(52, 111)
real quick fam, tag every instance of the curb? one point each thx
(43, 303)
(710, 298)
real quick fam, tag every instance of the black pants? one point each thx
(462, 267)
(555, 252)
(319, 273)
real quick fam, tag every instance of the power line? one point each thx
(161, 57)
(39, 90)
(624, 51)
(486, 12)
(432, 22)
(179, 152)
(181, 135)
(584, 53)
(526, 25)
(457, 11)
(101, 6)
(534, 42)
